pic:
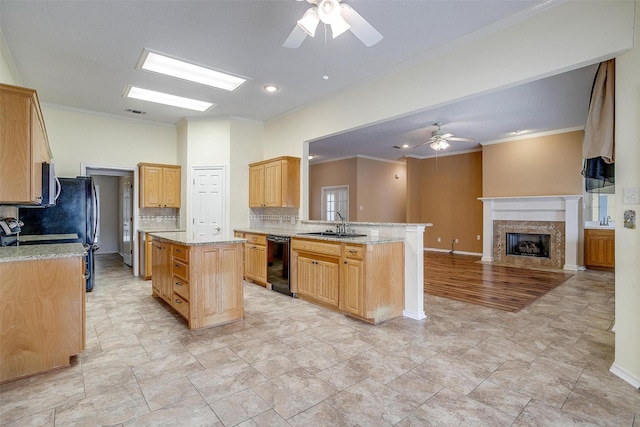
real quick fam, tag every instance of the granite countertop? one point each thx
(37, 252)
(187, 239)
(364, 240)
(37, 237)
(158, 229)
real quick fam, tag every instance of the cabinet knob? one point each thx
(178, 301)
(177, 265)
(180, 283)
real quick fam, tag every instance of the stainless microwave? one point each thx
(50, 187)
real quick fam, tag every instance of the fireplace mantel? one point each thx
(564, 208)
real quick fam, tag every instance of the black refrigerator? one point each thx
(75, 212)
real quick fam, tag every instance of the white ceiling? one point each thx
(82, 54)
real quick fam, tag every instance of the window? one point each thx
(335, 199)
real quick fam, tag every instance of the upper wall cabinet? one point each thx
(159, 185)
(275, 183)
(23, 146)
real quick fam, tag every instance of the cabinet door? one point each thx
(161, 265)
(327, 282)
(15, 149)
(148, 261)
(306, 276)
(260, 266)
(151, 194)
(171, 187)
(600, 249)
(353, 285)
(273, 184)
(256, 186)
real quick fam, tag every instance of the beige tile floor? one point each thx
(290, 363)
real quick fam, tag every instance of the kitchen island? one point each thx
(200, 278)
(42, 308)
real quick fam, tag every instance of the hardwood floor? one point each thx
(465, 278)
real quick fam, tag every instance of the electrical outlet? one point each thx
(478, 237)
(630, 196)
(456, 240)
(439, 240)
(374, 233)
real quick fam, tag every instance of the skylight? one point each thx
(166, 99)
(151, 61)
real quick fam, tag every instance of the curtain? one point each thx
(598, 144)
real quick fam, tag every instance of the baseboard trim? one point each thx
(624, 375)
(414, 316)
(454, 252)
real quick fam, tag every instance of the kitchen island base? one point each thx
(201, 281)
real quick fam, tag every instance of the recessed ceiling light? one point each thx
(166, 99)
(518, 132)
(311, 156)
(405, 145)
(271, 88)
(151, 61)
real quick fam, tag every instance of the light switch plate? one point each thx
(630, 196)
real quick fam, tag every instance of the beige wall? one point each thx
(444, 191)
(329, 174)
(77, 137)
(627, 300)
(548, 165)
(372, 186)
(381, 195)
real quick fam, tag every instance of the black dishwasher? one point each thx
(278, 263)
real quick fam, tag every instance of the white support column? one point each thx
(414, 272)
(572, 224)
(487, 231)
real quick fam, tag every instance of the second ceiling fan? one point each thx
(440, 139)
(339, 16)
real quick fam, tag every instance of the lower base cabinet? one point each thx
(42, 315)
(599, 249)
(365, 281)
(203, 283)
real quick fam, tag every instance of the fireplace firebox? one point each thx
(528, 244)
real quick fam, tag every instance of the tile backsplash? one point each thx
(165, 218)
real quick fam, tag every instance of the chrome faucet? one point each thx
(342, 229)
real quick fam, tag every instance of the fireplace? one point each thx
(528, 244)
(534, 231)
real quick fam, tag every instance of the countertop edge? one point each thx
(183, 240)
(365, 240)
(39, 252)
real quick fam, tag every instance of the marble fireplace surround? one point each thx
(559, 216)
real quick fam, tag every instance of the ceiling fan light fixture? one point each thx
(439, 144)
(338, 27)
(309, 21)
(329, 11)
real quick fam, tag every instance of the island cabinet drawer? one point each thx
(181, 270)
(181, 253)
(181, 288)
(315, 246)
(354, 251)
(258, 239)
(181, 305)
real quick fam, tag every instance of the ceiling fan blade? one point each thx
(460, 139)
(296, 38)
(359, 26)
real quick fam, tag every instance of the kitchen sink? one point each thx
(332, 234)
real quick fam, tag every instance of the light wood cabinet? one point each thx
(365, 281)
(255, 258)
(161, 266)
(275, 183)
(23, 146)
(315, 271)
(203, 283)
(145, 244)
(159, 185)
(599, 249)
(42, 315)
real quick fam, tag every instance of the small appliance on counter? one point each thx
(9, 229)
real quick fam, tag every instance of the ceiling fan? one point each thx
(440, 139)
(339, 16)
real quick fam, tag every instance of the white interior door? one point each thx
(127, 217)
(207, 202)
